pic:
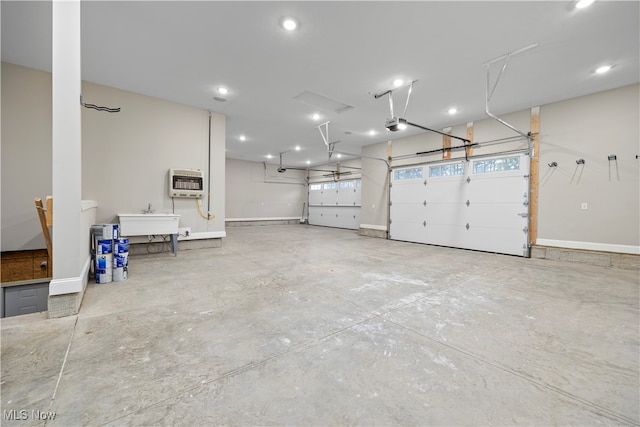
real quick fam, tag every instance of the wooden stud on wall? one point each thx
(49, 205)
(446, 144)
(470, 138)
(534, 175)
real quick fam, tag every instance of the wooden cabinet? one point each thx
(24, 265)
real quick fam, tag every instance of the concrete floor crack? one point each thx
(598, 408)
(64, 362)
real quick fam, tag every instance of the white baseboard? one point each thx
(374, 227)
(590, 246)
(71, 285)
(278, 218)
(204, 235)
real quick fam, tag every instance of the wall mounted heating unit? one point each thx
(186, 183)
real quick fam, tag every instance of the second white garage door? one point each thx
(335, 204)
(480, 204)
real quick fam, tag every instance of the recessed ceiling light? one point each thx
(315, 116)
(453, 110)
(243, 138)
(372, 132)
(581, 4)
(297, 148)
(269, 156)
(398, 82)
(223, 90)
(289, 24)
(603, 69)
(308, 162)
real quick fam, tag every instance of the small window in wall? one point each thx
(329, 186)
(412, 173)
(446, 170)
(315, 187)
(497, 165)
(346, 184)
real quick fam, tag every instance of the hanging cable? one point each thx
(208, 216)
(208, 173)
(96, 107)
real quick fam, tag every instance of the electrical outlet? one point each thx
(584, 206)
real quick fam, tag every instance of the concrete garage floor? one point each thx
(302, 325)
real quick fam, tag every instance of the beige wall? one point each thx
(26, 154)
(590, 127)
(375, 186)
(125, 156)
(259, 191)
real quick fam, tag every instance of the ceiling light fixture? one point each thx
(269, 156)
(243, 138)
(453, 110)
(297, 148)
(398, 82)
(339, 155)
(581, 4)
(315, 116)
(289, 24)
(222, 90)
(372, 132)
(308, 162)
(603, 69)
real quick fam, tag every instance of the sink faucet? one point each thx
(148, 210)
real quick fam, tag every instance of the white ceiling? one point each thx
(346, 51)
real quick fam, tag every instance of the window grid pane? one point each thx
(446, 170)
(503, 164)
(329, 186)
(402, 174)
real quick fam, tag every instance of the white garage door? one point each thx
(335, 204)
(481, 204)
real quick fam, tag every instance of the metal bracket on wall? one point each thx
(490, 90)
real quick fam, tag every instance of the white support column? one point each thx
(66, 140)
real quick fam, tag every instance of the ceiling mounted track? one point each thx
(323, 128)
(398, 123)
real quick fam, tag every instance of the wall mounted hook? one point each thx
(552, 164)
(580, 162)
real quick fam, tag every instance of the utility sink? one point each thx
(148, 224)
